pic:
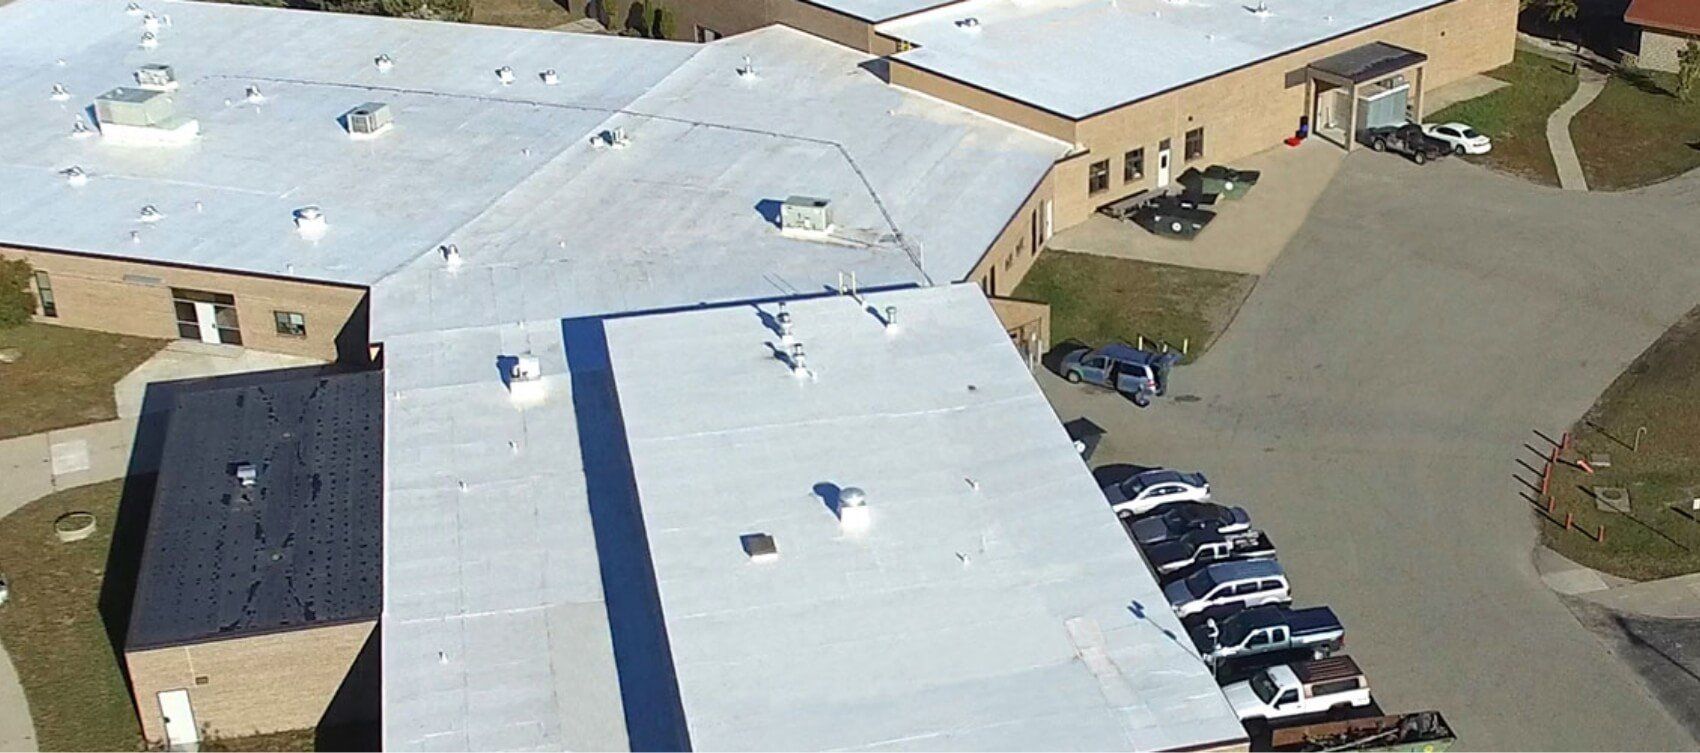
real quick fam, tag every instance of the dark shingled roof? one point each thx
(1369, 62)
(302, 547)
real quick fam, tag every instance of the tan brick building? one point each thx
(131, 297)
(259, 585)
(1667, 28)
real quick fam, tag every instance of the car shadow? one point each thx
(1115, 473)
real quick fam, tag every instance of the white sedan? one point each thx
(1462, 138)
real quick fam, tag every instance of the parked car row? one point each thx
(1423, 143)
(1222, 578)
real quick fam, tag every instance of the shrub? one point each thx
(17, 303)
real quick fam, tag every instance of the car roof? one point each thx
(1238, 569)
(1125, 352)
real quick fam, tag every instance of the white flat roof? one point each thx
(1080, 57)
(995, 603)
(505, 171)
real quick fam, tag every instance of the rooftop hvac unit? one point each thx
(157, 77)
(369, 119)
(806, 214)
(142, 116)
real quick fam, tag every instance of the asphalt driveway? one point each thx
(1369, 405)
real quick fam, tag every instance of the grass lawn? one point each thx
(528, 14)
(65, 377)
(1098, 299)
(1637, 132)
(300, 739)
(1660, 538)
(52, 625)
(1515, 117)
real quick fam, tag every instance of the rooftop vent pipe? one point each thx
(80, 129)
(550, 78)
(150, 22)
(310, 222)
(150, 214)
(799, 361)
(891, 319)
(786, 326)
(149, 41)
(505, 74)
(614, 138)
(133, 9)
(524, 376)
(747, 71)
(852, 510)
(384, 62)
(74, 175)
(60, 93)
(253, 94)
(451, 255)
(970, 24)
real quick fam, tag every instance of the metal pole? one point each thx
(1638, 433)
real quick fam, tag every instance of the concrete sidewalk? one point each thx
(1247, 234)
(17, 732)
(1570, 175)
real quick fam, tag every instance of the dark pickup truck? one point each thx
(1174, 557)
(1407, 139)
(1267, 630)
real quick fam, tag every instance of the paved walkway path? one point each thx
(40, 464)
(1570, 175)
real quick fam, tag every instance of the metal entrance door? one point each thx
(180, 731)
(1163, 164)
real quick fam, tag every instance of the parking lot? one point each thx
(1370, 402)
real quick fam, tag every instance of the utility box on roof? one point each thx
(806, 213)
(148, 108)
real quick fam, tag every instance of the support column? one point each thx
(1352, 117)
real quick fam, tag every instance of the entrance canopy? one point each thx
(1366, 63)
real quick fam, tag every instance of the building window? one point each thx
(44, 289)
(1194, 144)
(705, 34)
(290, 323)
(1098, 177)
(208, 317)
(1133, 165)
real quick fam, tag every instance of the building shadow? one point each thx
(351, 721)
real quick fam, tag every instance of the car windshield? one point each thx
(1470, 133)
(1200, 583)
(1264, 687)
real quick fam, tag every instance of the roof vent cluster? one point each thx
(613, 138)
(60, 93)
(1261, 9)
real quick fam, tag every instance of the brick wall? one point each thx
(244, 686)
(134, 298)
(1659, 49)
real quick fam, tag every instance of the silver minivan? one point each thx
(1246, 583)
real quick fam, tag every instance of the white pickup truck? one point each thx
(1289, 690)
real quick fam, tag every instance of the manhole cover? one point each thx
(1612, 498)
(1187, 398)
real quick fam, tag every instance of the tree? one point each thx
(16, 301)
(1688, 72)
(666, 22)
